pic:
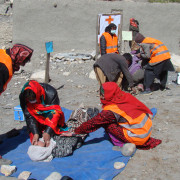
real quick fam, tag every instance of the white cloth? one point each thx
(38, 153)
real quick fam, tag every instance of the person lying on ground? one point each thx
(113, 68)
(158, 61)
(123, 117)
(43, 114)
(135, 69)
(10, 61)
(64, 146)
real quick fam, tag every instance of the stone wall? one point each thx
(72, 24)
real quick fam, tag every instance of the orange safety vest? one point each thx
(111, 43)
(159, 52)
(136, 130)
(6, 60)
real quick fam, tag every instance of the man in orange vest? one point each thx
(109, 40)
(157, 57)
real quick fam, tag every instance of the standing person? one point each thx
(134, 27)
(109, 40)
(43, 114)
(10, 61)
(113, 67)
(158, 65)
(123, 117)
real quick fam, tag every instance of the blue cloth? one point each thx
(94, 160)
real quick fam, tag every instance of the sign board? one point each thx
(127, 35)
(49, 46)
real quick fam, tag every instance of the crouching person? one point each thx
(43, 114)
(123, 117)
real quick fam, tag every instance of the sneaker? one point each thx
(146, 92)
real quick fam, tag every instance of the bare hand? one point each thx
(69, 134)
(46, 138)
(35, 139)
(133, 90)
(138, 55)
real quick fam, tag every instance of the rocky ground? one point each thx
(76, 88)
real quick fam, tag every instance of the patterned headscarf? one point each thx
(125, 101)
(20, 54)
(134, 22)
(37, 89)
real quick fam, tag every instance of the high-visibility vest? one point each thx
(136, 130)
(111, 43)
(6, 60)
(159, 52)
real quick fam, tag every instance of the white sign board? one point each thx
(127, 35)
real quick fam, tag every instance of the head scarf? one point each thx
(49, 115)
(19, 53)
(37, 89)
(125, 101)
(139, 38)
(134, 22)
(109, 27)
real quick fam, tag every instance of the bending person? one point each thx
(158, 61)
(123, 117)
(113, 68)
(10, 61)
(43, 115)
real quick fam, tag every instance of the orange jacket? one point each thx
(136, 130)
(159, 52)
(111, 43)
(6, 60)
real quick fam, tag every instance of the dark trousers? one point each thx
(149, 77)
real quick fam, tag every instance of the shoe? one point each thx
(146, 92)
(163, 88)
(66, 178)
(5, 162)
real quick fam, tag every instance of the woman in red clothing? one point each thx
(42, 112)
(123, 117)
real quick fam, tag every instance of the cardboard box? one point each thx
(18, 113)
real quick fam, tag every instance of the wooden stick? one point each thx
(47, 68)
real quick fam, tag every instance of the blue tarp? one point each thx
(94, 160)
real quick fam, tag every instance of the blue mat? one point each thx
(94, 160)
